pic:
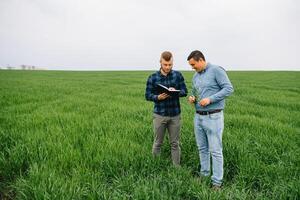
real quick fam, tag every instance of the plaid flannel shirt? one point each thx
(171, 105)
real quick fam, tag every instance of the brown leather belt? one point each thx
(208, 112)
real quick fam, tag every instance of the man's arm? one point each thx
(149, 95)
(225, 84)
(182, 87)
(193, 95)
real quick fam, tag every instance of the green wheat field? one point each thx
(88, 135)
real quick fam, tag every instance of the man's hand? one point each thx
(192, 99)
(163, 96)
(204, 102)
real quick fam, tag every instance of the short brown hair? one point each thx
(166, 55)
(196, 55)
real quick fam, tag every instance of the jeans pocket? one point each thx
(215, 115)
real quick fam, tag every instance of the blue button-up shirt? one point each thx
(171, 105)
(212, 83)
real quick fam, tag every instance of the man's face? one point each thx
(198, 66)
(166, 66)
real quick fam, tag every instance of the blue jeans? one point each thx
(208, 132)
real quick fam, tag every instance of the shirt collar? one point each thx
(159, 73)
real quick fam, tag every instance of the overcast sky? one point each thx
(131, 34)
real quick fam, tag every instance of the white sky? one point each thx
(131, 34)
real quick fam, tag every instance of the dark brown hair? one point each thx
(166, 55)
(196, 55)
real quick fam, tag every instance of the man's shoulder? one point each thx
(153, 75)
(216, 68)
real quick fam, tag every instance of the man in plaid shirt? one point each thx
(166, 107)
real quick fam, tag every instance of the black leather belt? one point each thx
(208, 112)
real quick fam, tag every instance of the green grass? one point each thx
(88, 135)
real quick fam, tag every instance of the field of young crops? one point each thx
(88, 135)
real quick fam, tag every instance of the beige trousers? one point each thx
(172, 124)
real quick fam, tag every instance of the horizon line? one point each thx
(120, 70)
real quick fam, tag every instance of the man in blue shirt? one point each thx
(210, 87)
(166, 106)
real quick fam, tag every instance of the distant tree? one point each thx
(23, 67)
(9, 67)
